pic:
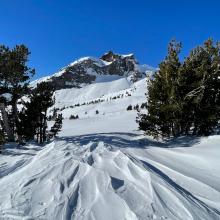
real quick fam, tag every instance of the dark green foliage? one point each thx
(72, 117)
(202, 89)
(129, 108)
(143, 105)
(33, 119)
(14, 77)
(2, 140)
(54, 116)
(184, 98)
(28, 122)
(136, 107)
(57, 126)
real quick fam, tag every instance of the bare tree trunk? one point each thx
(41, 129)
(44, 125)
(6, 123)
(15, 115)
(37, 134)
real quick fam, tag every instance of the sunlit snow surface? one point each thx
(102, 168)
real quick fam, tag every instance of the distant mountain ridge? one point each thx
(87, 70)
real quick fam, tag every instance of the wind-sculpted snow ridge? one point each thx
(112, 176)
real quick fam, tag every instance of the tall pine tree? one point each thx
(162, 105)
(184, 98)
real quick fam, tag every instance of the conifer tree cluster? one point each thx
(14, 77)
(31, 122)
(184, 97)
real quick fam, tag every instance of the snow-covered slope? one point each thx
(108, 98)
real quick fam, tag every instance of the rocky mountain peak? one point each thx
(111, 57)
(89, 69)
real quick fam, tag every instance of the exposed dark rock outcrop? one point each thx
(85, 70)
(109, 57)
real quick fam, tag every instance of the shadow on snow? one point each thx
(131, 140)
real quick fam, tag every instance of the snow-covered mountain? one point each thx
(101, 166)
(111, 82)
(88, 70)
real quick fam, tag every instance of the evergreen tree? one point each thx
(54, 116)
(184, 98)
(199, 88)
(57, 126)
(5, 122)
(14, 77)
(33, 119)
(2, 139)
(162, 105)
(129, 108)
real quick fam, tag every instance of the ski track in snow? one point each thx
(101, 167)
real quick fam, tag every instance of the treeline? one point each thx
(95, 101)
(184, 96)
(29, 121)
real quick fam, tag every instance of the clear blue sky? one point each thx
(59, 31)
